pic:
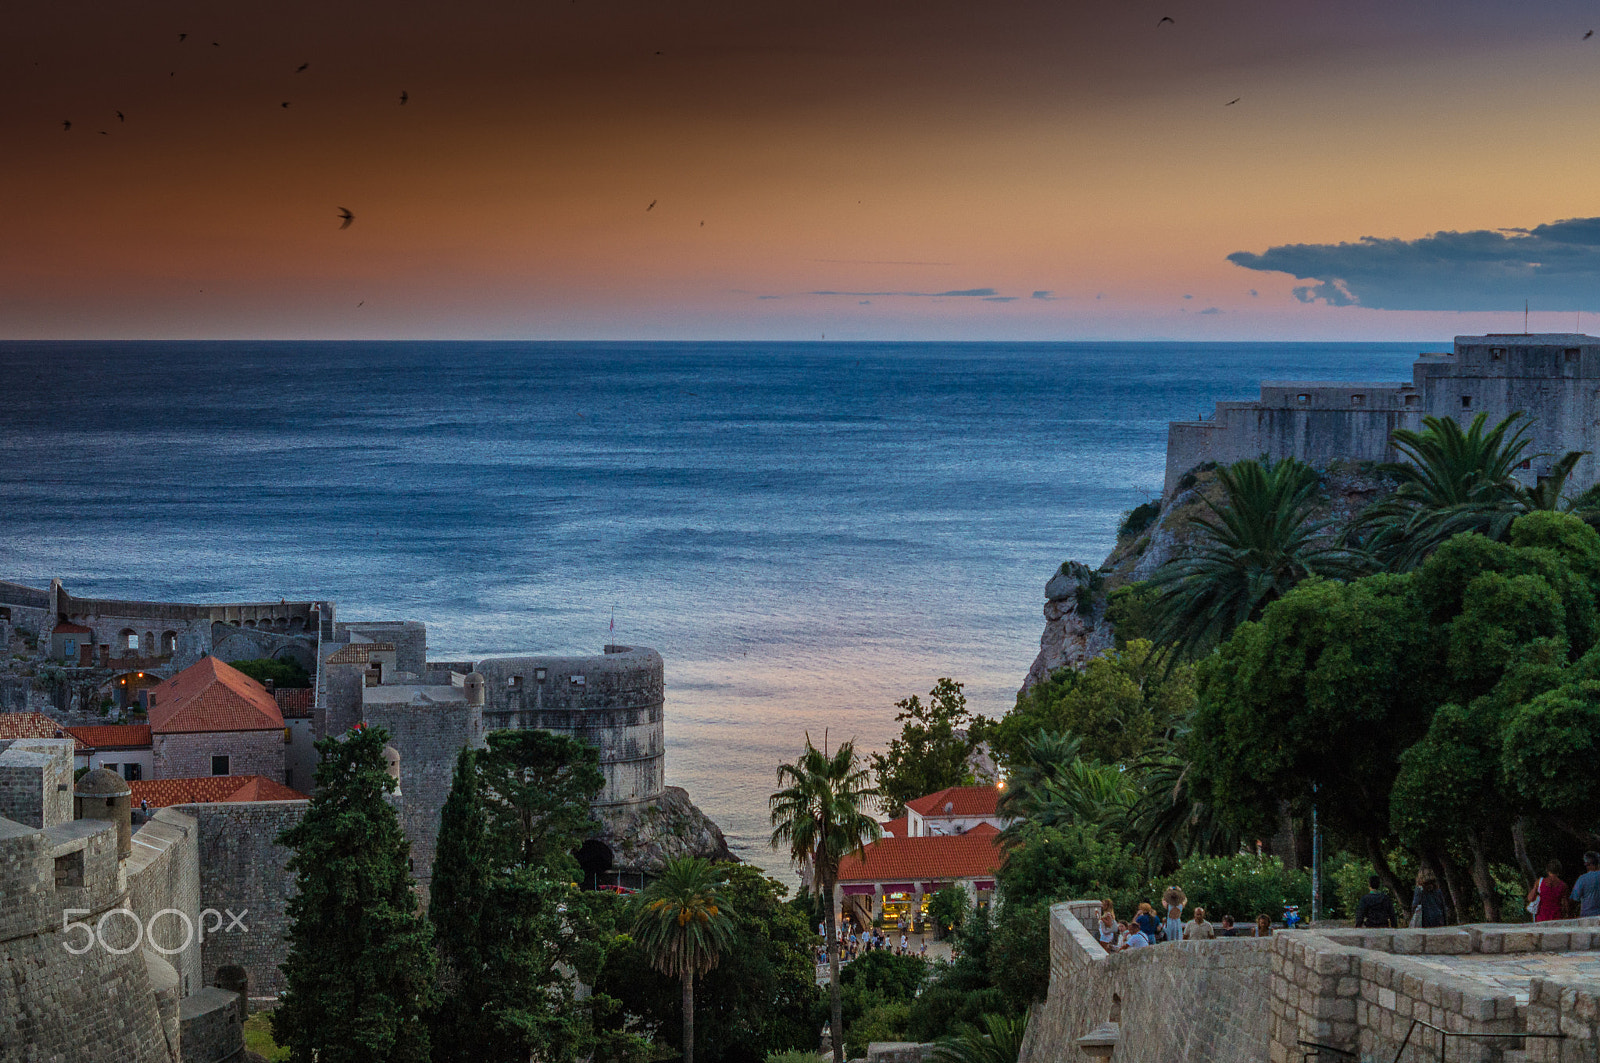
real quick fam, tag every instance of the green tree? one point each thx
(683, 923)
(960, 991)
(758, 1000)
(1117, 705)
(1257, 544)
(819, 815)
(931, 753)
(948, 908)
(511, 927)
(1243, 885)
(359, 973)
(1549, 754)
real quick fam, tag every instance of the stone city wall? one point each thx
(36, 781)
(164, 873)
(428, 736)
(1192, 1000)
(188, 755)
(1574, 1010)
(243, 868)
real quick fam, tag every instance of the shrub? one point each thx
(794, 1055)
(1137, 519)
(284, 674)
(1242, 886)
(887, 1021)
(948, 908)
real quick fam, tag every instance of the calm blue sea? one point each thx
(807, 532)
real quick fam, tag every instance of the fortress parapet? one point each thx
(613, 701)
(1554, 378)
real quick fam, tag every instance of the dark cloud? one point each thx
(1556, 265)
(769, 297)
(1000, 298)
(1043, 295)
(1210, 310)
(976, 293)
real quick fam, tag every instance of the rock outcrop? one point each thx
(1075, 625)
(645, 836)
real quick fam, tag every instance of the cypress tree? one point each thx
(360, 967)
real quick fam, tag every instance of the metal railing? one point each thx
(1445, 1035)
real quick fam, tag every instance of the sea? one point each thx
(807, 532)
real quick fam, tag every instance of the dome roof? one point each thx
(101, 783)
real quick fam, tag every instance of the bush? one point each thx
(887, 1021)
(876, 978)
(286, 674)
(948, 908)
(793, 1056)
(1137, 519)
(1242, 886)
(1345, 886)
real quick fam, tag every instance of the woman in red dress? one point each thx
(1551, 893)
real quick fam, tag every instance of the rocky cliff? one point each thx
(644, 837)
(1075, 624)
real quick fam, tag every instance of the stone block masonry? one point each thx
(243, 868)
(189, 755)
(163, 873)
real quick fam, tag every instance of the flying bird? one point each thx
(344, 212)
(301, 68)
(1233, 101)
(285, 103)
(404, 96)
(1165, 19)
(651, 207)
(121, 117)
(361, 304)
(215, 44)
(1586, 36)
(104, 133)
(182, 37)
(66, 127)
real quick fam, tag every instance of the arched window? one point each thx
(128, 639)
(169, 642)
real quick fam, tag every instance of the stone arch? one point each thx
(169, 643)
(301, 655)
(250, 624)
(127, 642)
(297, 623)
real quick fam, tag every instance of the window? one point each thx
(514, 682)
(132, 772)
(1571, 354)
(1413, 400)
(577, 680)
(108, 767)
(219, 765)
(1303, 399)
(69, 870)
(1358, 400)
(1497, 354)
(539, 674)
(288, 777)
(130, 640)
(71, 647)
(169, 642)
(1466, 402)
(1527, 464)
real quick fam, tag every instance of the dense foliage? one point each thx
(359, 973)
(931, 752)
(286, 674)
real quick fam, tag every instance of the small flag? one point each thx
(613, 621)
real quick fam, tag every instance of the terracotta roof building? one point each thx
(123, 748)
(159, 793)
(112, 736)
(895, 875)
(955, 810)
(295, 703)
(212, 719)
(14, 725)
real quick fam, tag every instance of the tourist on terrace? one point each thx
(1146, 920)
(1174, 900)
(1263, 926)
(1586, 891)
(1198, 929)
(1550, 892)
(1136, 938)
(1227, 930)
(1376, 907)
(1428, 898)
(1107, 930)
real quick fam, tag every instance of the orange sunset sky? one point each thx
(874, 170)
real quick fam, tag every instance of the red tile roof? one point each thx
(112, 736)
(212, 696)
(964, 801)
(895, 828)
(296, 702)
(971, 855)
(64, 628)
(29, 725)
(160, 793)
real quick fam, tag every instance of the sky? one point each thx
(701, 169)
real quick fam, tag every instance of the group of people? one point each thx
(1547, 899)
(1145, 928)
(853, 942)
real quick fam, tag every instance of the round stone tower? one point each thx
(102, 794)
(612, 701)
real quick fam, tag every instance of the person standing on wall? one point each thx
(1376, 907)
(1586, 891)
(1174, 900)
(1427, 901)
(1548, 896)
(1199, 929)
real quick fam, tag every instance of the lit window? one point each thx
(1358, 400)
(1303, 399)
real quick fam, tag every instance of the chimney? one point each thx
(268, 684)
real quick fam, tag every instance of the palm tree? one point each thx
(819, 815)
(683, 923)
(999, 1041)
(1255, 545)
(1170, 821)
(1055, 786)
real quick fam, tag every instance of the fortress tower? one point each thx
(1554, 378)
